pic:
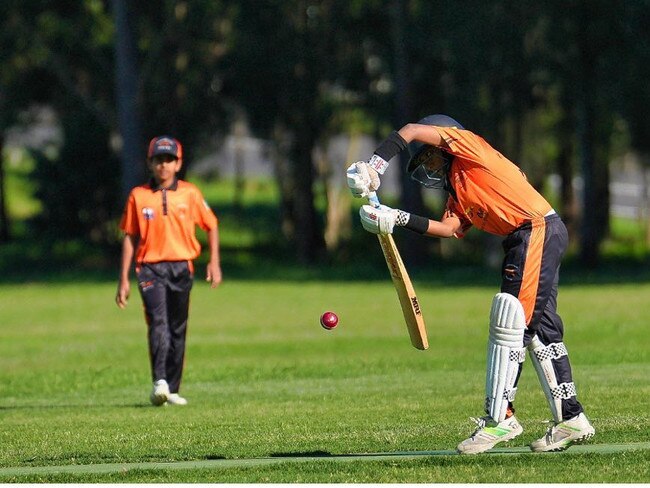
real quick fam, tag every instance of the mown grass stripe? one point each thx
(255, 462)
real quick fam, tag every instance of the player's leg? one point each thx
(520, 270)
(551, 360)
(153, 292)
(570, 425)
(505, 354)
(549, 354)
(550, 357)
(180, 285)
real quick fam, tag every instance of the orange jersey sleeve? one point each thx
(165, 222)
(492, 193)
(129, 222)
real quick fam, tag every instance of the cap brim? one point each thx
(159, 153)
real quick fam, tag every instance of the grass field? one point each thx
(265, 380)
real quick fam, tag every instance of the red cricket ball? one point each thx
(329, 320)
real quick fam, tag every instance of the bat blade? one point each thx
(407, 298)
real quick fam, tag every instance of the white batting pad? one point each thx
(542, 357)
(505, 352)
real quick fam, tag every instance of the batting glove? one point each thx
(362, 179)
(380, 220)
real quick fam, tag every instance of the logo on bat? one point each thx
(416, 305)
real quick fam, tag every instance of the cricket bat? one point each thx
(404, 287)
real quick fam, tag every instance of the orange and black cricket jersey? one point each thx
(165, 221)
(492, 193)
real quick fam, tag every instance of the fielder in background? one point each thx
(159, 222)
(488, 191)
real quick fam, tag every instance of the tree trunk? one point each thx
(589, 228)
(280, 155)
(338, 227)
(645, 199)
(5, 234)
(568, 208)
(412, 246)
(126, 78)
(239, 132)
(308, 235)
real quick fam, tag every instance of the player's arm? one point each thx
(123, 285)
(426, 134)
(382, 220)
(447, 227)
(213, 271)
(363, 176)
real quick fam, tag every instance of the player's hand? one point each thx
(213, 275)
(123, 292)
(378, 220)
(362, 179)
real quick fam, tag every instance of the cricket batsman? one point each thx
(488, 191)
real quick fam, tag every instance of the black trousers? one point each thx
(538, 249)
(165, 289)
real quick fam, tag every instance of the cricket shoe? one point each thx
(160, 393)
(176, 399)
(489, 433)
(561, 436)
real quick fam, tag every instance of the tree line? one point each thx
(554, 85)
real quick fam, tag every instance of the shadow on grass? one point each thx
(76, 405)
(440, 274)
(31, 261)
(307, 454)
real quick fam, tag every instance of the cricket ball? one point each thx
(329, 320)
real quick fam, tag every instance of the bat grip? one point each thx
(373, 199)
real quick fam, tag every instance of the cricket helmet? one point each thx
(429, 165)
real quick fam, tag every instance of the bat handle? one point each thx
(373, 199)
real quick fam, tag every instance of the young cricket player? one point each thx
(159, 224)
(488, 191)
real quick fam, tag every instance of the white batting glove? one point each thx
(378, 220)
(362, 179)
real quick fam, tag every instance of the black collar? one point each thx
(155, 187)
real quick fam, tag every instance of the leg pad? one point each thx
(542, 357)
(505, 353)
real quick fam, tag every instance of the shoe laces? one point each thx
(550, 428)
(481, 423)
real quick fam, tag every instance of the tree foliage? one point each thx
(547, 83)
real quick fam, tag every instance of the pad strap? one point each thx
(518, 355)
(553, 351)
(510, 394)
(564, 391)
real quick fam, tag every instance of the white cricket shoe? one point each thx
(561, 436)
(160, 393)
(176, 399)
(489, 433)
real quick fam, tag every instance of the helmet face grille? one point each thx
(429, 167)
(425, 166)
(429, 179)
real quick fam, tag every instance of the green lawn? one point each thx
(264, 379)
